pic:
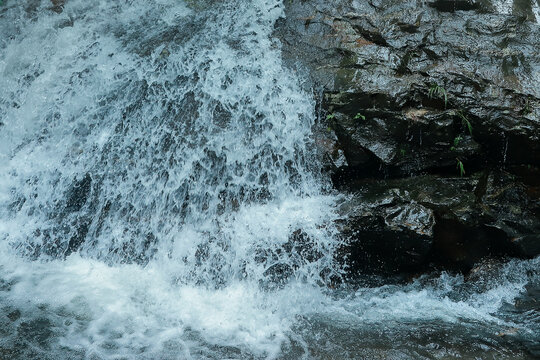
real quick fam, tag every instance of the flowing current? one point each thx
(160, 199)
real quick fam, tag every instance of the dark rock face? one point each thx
(432, 125)
(404, 82)
(78, 194)
(385, 234)
(58, 5)
(410, 223)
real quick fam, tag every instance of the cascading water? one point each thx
(156, 137)
(531, 9)
(159, 197)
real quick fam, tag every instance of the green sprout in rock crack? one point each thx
(402, 152)
(526, 109)
(359, 116)
(436, 91)
(464, 120)
(457, 140)
(460, 167)
(330, 116)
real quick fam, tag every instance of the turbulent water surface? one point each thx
(159, 199)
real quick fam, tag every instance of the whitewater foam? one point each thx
(160, 195)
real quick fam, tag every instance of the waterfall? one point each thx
(160, 195)
(156, 134)
(162, 141)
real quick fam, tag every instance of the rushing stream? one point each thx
(160, 199)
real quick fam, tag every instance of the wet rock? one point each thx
(403, 81)
(407, 224)
(277, 275)
(72, 225)
(385, 233)
(485, 271)
(58, 5)
(455, 5)
(6, 285)
(442, 87)
(282, 262)
(301, 248)
(14, 315)
(372, 246)
(333, 157)
(78, 194)
(527, 246)
(405, 143)
(81, 228)
(513, 209)
(37, 331)
(7, 353)
(509, 332)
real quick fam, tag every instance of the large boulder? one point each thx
(430, 124)
(411, 223)
(405, 82)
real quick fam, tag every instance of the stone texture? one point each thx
(430, 123)
(411, 223)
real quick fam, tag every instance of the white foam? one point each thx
(139, 310)
(103, 95)
(196, 139)
(503, 6)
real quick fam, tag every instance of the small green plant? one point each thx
(402, 152)
(330, 116)
(436, 91)
(457, 140)
(465, 121)
(526, 109)
(359, 116)
(460, 167)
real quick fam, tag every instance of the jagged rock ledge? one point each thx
(430, 125)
